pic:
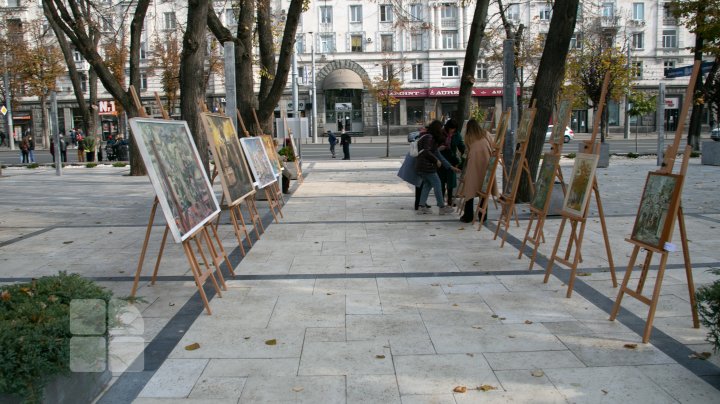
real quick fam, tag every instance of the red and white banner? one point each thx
(439, 92)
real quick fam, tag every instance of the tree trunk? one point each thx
(45, 126)
(91, 123)
(467, 80)
(550, 76)
(697, 108)
(192, 62)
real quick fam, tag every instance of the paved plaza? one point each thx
(352, 297)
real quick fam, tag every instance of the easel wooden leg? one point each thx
(655, 298)
(527, 233)
(220, 247)
(160, 254)
(195, 268)
(576, 259)
(215, 259)
(540, 224)
(255, 216)
(239, 215)
(626, 280)
(143, 250)
(601, 214)
(551, 262)
(571, 239)
(644, 272)
(236, 229)
(688, 267)
(207, 265)
(272, 205)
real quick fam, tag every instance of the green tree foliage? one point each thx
(383, 89)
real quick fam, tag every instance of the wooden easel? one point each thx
(242, 123)
(520, 164)
(538, 216)
(487, 194)
(289, 134)
(273, 194)
(576, 235)
(200, 236)
(667, 168)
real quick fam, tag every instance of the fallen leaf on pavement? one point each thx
(477, 327)
(192, 347)
(630, 346)
(298, 389)
(584, 274)
(528, 322)
(271, 342)
(700, 355)
(67, 242)
(460, 389)
(380, 356)
(537, 373)
(486, 387)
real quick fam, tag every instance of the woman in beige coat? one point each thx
(479, 151)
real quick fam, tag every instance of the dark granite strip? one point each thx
(26, 236)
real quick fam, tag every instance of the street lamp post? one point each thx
(8, 105)
(314, 90)
(55, 132)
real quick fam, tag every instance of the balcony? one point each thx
(636, 23)
(449, 22)
(609, 22)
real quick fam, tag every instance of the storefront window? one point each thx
(415, 112)
(613, 113)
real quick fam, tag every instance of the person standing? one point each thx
(333, 141)
(478, 160)
(24, 149)
(2, 138)
(63, 149)
(339, 125)
(453, 144)
(427, 165)
(80, 147)
(31, 148)
(73, 137)
(345, 141)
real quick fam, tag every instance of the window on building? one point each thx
(416, 12)
(545, 12)
(449, 12)
(638, 40)
(143, 81)
(450, 69)
(416, 42)
(302, 75)
(326, 14)
(170, 22)
(386, 42)
(327, 43)
(638, 12)
(77, 56)
(14, 30)
(143, 50)
(300, 44)
(669, 38)
(608, 10)
(107, 24)
(513, 12)
(417, 71)
(231, 16)
(579, 12)
(356, 43)
(668, 64)
(638, 70)
(667, 11)
(481, 73)
(450, 39)
(356, 13)
(387, 71)
(576, 41)
(83, 81)
(13, 3)
(386, 13)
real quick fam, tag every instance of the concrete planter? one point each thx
(70, 389)
(604, 161)
(710, 153)
(290, 169)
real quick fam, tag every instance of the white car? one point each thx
(569, 134)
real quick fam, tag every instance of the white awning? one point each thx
(342, 79)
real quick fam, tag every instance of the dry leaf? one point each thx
(700, 355)
(584, 274)
(472, 355)
(192, 347)
(537, 373)
(477, 327)
(67, 242)
(604, 391)
(630, 346)
(271, 342)
(380, 356)
(455, 305)
(511, 336)
(434, 284)
(462, 228)
(528, 322)
(171, 304)
(486, 387)
(494, 316)
(5, 296)
(247, 337)
(460, 389)
(298, 389)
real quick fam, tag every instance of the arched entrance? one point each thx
(343, 95)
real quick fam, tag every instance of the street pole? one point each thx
(626, 132)
(56, 131)
(660, 124)
(230, 89)
(509, 100)
(8, 104)
(314, 91)
(295, 98)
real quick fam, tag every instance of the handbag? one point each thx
(414, 151)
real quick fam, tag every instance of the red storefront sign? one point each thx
(438, 92)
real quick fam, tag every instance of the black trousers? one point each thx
(346, 151)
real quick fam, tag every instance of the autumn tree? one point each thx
(72, 19)
(383, 88)
(12, 33)
(165, 63)
(256, 23)
(39, 63)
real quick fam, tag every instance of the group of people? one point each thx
(27, 149)
(442, 155)
(63, 148)
(345, 141)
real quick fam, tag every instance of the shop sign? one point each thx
(672, 102)
(107, 107)
(438, 92)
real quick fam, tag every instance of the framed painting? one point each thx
(294, 147)
(581, 182)
(258, 160)
(564, 110)
(526, 121)
(513, 175)
(272, 153)
(228, 156)
(502, 128)
(659, 202)
(545, 181)
(489, 173)
(176, 173)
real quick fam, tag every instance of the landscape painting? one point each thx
(545, 182)
(489, 174)
(652, 226)
(258, 160)
(272, 153)
(580, 184)
(176, 173)
(526, 121)
(514, 175)
(501, 129)
(228, 157)
(564, 110)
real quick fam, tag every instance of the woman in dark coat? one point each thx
(427, 165)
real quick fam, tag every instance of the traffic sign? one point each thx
(3, 110)
(687, 70)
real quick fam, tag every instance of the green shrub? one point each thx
(708, 302)
(119, 164)
(33, 165)
(632, 155)
(570, 155)
(695, 153)
(287, 152)
(91, 165)
(35, 331)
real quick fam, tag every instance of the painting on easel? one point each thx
(176, 173)
(228, 157)
(489, 173)
(563, 115)
(271, 150)
(658, 200)
(514, 171)
(580, 184)
(523, 130)
(544, 181)
(259, 161)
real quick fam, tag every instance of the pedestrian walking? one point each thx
(345, 141)
(2, 138)
(80, 147)
(24, 149)
(31, 148)
(63, 149)
(52, 148)
(333, 141)
(340, 125)
(73, 137)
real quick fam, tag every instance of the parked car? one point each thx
(569, 134)
(715, 134)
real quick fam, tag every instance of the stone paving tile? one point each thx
(372, 389)
(494, 338)
(680, 383)
(440, 374)
(218, 387)
(428, 399)
(604, 351)
(294, 389)
(309, 311)
(532, 360)
(345, 358)
(215, 342)
(243, 368)
(175, 378)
